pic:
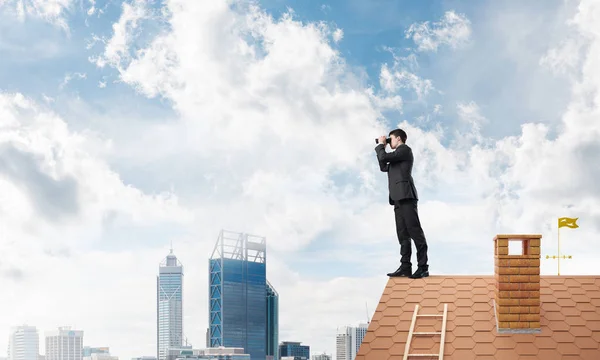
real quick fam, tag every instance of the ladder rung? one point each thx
(427, 333)
(431, 315)
(428, 355)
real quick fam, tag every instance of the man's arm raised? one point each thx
(402, 153)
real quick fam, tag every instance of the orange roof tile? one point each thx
(570, 320)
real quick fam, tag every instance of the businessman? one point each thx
(403, 196)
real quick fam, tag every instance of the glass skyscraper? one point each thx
(169, 306)
(272, 322)
(238, 295)
(88, 351)
(348, 341)
(295, 350)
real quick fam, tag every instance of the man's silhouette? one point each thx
(403, 196)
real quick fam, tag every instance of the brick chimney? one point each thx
(517, 293)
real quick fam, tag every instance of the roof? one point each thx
(570, 320)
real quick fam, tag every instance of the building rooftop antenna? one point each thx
(367, 308)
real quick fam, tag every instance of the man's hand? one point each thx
(382, 139)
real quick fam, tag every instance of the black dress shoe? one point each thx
(400, 273)
(420, 273)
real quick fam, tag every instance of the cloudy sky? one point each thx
(125, 125)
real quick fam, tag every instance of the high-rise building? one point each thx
(100, 356)
(64, 344)
(215, 353)
(358, 334)
(294, 350)
(321, 357)
(238, 295)
(343, 343)
(348, 341)
(23, 343)
(88, 351)
(169, 306)
(272, 322)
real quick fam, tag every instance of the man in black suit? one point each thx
(403, 196)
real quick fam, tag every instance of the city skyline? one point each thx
(128, 124)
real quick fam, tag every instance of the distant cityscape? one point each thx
(243, 316)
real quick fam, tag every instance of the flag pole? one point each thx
(559, 250)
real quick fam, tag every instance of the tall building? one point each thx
(321, 357)
(169, 306)
(100, 356)
(358, 334)
(238, 296)
(294, 350)
(343, 343)
(88, 351)
(272, 322)
(23, 343)
(348, 341)
(64, 344)
(218, 353)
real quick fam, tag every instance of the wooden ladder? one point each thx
(412, 333)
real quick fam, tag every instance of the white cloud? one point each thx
(70, 76)
(116, 50)
(453, 30)
(338, 34)
(564, 58)
(92, 9)
(59, 187)
(402, 75)
(53, 11)
(470, 115)
(392, 80)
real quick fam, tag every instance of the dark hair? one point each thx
(400, 133)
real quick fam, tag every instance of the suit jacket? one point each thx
(398, 165)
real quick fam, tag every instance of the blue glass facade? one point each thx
(216, 357)
(88, 351)
(215, 328)
(239, 307)
(295, 349)
(241, 313)
(272, 322)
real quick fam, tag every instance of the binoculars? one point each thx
(387, 141)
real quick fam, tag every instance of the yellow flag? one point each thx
(568, 222)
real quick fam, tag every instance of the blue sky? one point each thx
(133, 125)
